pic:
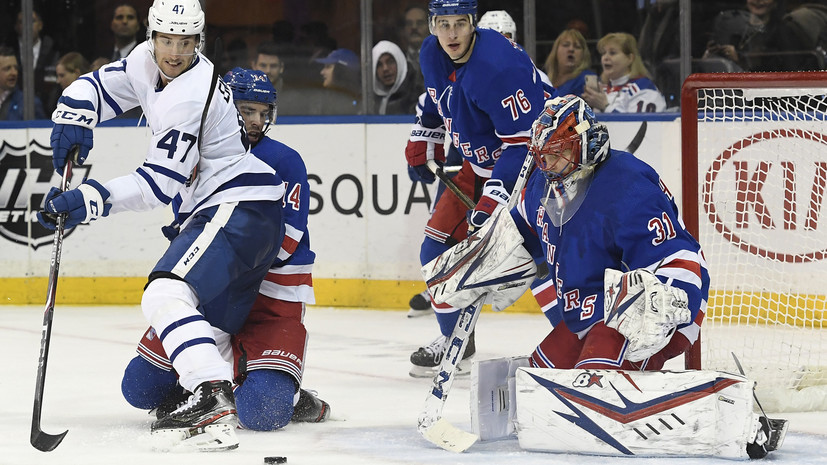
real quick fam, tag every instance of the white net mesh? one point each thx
(762, 173)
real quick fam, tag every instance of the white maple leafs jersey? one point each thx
(198, 165)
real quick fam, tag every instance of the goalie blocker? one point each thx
(619, 413)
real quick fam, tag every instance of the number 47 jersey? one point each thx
(198, 154)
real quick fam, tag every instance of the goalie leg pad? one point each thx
(607, 412)
(493, 397)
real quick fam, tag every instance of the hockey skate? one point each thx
(176, 398)
(420, 305)
(206, 422)
(310, 408)
(426, 360)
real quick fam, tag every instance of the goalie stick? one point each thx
(431, 425)
(41, 440)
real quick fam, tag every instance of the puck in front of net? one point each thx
(275, 459)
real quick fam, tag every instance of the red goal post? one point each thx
(754, 178)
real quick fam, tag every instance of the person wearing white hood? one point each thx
(391, 82)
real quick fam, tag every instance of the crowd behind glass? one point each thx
(314, 53)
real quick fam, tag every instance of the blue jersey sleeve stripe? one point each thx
(106, 97)
(155, 189)
(167, 172)
(97, 91)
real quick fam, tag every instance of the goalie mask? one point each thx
(500, 21)
(253, 86)
(567, 143)
(178, 17)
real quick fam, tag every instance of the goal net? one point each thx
(754, 167)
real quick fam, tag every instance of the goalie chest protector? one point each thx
(605, 412)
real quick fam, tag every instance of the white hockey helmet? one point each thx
(500, 21)
(181, 17)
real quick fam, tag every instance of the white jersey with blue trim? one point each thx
(201, 164)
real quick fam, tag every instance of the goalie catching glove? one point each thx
(643, 309)
(492, 260)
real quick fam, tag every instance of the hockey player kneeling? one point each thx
(591, 385)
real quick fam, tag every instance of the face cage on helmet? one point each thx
(556, 148)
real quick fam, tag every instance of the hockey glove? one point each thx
(493, 195)
(85, 203)
(425, 144)
(643, 309)
(74, 120)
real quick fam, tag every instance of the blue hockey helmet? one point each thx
(252, 86)
(455, 7)
(568, 123)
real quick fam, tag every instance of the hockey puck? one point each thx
(275, 459)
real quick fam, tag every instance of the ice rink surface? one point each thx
(357, 360)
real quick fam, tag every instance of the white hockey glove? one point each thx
(643, 309)
(492, 260)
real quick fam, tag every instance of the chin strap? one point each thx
(473, 41)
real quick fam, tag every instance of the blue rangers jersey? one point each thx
(290, 276)
(628, 220)
(198, 165)
(486, 105)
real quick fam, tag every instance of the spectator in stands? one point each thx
(341, 78)
(97, 63)
(414, 31)
(126, 29)
(391, 80)
(568, 63)
(43, 51)
(807, 25)
(11, 98)
(235, 54)
(626, 85)
(753, 37)
(270, 60)
(69, 67)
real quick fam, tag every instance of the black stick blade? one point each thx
(46, 442)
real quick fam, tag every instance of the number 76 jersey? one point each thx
(198, 154)
(487, 105)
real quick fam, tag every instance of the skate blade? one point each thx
(210, 438)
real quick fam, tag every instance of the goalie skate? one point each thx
(206, 422)
(426, 360)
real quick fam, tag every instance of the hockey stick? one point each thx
(431, 425)
(41, 440)
(635, 143)
(776, 428)
(440, 173)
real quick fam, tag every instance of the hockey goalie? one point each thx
(631, 286)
